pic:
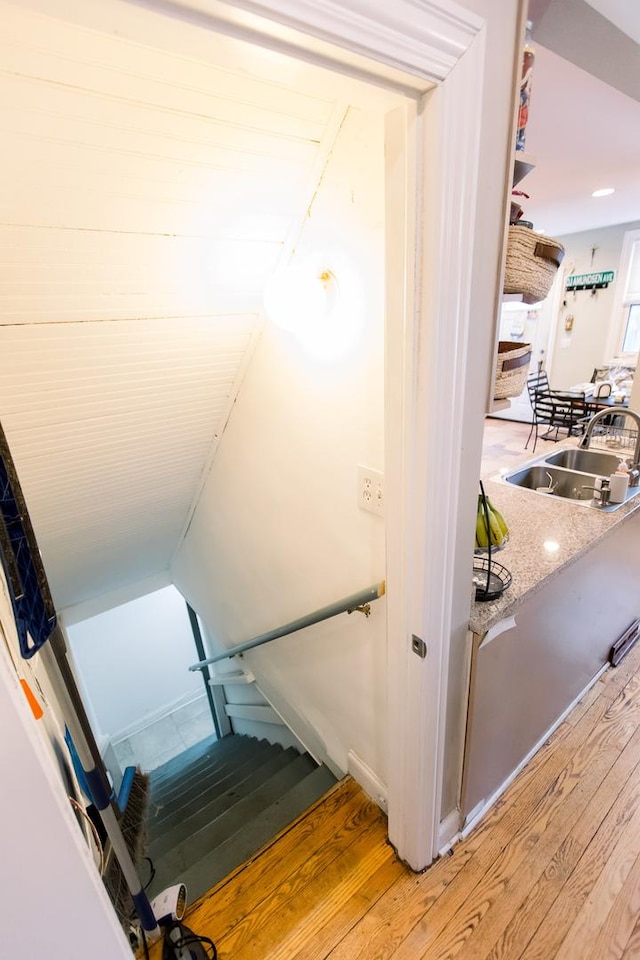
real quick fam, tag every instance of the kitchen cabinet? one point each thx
(526, 677)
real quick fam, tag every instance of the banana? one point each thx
(497, 530)
(497, 536)
(502, 522)
(482, 535)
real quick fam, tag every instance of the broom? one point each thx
(132, 824)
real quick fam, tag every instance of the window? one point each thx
(629, 341)
(631, 337)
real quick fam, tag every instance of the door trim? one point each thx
(420, 41)
(428, 47)
(427, 334)
(423, 466)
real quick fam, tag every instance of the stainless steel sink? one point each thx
(569, 484)
(568, 474)
(586, 461)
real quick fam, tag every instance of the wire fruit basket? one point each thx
(490, 579)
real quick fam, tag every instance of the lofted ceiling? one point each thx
(153, 174)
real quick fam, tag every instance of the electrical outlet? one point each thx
(371, 490)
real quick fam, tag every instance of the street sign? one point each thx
(587, 281)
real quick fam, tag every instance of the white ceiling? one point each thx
(111, 425)
(624, 14)
(583, 135)
(153, 173)
(584, 126)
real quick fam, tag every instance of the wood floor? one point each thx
(551, 873)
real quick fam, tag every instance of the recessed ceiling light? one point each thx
(605, 192)
(539, 230)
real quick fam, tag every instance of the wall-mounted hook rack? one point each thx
(590, 281)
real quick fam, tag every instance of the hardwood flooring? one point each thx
(551, 873)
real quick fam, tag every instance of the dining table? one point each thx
(601, 403)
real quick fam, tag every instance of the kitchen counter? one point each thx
(536, 650)
(547, 534)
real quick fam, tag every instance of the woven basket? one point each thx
(532, 262)
(511, 369)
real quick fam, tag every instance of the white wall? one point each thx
(132, 661)
(576, 353)
(277, 532)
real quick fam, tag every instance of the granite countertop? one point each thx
(546, 535)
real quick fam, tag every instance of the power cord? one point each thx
(153, 872)
(177, 939)
(181, 943)
(94, 831)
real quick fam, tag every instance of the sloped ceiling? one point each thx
(111, 425)
(148, 191)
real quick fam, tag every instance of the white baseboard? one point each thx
(259, 712)
(151, 718)
(370, 783)
(449, 831)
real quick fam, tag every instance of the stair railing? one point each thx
(356, 602)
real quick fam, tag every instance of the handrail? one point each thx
(357, 601)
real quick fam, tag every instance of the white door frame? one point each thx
(426, 347)
(407, 45)
(430, 246)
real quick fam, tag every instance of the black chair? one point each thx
(558, 410)
(599, 373)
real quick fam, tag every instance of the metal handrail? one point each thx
(357, 601)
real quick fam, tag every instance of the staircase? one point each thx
(215, 805)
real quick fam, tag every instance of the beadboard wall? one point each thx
(154, 173)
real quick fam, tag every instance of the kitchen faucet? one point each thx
(612, 412)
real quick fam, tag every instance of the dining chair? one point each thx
(556, 409)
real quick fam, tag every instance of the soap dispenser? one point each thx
(619, 483)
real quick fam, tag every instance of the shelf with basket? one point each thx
(532, 260)
(523, 164)
(512, 369)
